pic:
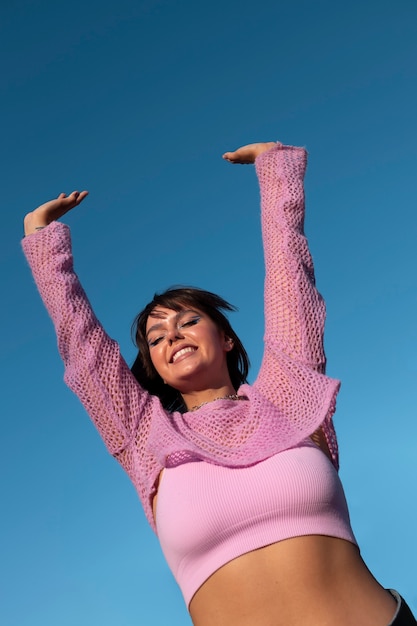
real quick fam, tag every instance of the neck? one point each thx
(197, 398)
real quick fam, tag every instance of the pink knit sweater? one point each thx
(291, 396)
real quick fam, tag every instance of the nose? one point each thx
(174, 334)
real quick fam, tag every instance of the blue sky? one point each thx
(136, 101)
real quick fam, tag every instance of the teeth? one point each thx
(181, 352)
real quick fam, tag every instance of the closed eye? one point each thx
(191, 322)
(183, 324)
(154, 342)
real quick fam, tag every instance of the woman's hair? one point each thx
(176, 298)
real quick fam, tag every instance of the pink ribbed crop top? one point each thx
(208, 514)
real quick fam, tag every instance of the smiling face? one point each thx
(187, 349)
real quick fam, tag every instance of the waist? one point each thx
(312, 580)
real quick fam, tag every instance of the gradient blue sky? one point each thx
(136, 101)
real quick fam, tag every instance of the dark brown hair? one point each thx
(176, 298)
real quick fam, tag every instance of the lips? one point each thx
(181, 351)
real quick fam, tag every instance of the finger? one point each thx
(74, 198)
(80, 196)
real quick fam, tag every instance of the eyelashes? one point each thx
(154, 342)
(184, 324)
(194, 320)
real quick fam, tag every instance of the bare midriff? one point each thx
(304, 581)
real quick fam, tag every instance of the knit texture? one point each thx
(291, 396)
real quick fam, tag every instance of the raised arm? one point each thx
(294, 310)
(292, 371)
(94, 368)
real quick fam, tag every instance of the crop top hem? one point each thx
(236, 551)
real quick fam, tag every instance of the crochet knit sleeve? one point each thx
(294, 310)
(94, 368)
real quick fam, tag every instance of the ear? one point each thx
(229, 344)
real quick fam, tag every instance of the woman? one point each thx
(239, 482)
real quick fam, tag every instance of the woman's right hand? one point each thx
(52, 210)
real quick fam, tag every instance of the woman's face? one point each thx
(187, 349)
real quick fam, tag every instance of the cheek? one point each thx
(156, 359)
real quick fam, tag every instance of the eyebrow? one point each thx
(177, 317)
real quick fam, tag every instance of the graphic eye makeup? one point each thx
(190, 322)
(154, 342)
(183, 322)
